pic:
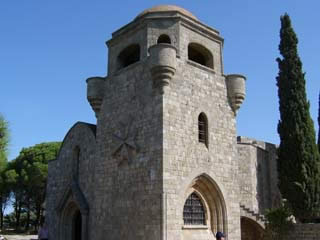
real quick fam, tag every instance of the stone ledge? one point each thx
(190, 227)
(192, 63)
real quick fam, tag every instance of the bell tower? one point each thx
(165, 161)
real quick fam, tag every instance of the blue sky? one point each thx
(49, 48)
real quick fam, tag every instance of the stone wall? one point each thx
(250, 230)
(305, 232)
(257, 175)
(128, 173)
(70, 180)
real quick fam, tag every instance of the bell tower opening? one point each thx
(164, 39)
(77, 226)
(199, 54)
(128, 56)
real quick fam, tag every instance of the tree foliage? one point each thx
(4, 141)
(279, 223)
(298, 156)
(318, 143)
(4, 190)
(27, 176)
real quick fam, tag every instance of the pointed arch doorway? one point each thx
(74, 214)
(72, 223)
(77, 226)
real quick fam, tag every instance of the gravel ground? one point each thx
(21, 237)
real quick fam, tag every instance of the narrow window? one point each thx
(76, 162)
(203, 129)
(200, 54)
(193, 211)
(128, 56)
(164, 39)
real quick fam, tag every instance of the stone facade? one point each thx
(166, 128)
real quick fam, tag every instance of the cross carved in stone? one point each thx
(125, 146)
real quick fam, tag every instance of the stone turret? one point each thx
(236, 84)
(95, 93)
(163, 64)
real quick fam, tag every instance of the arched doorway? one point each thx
(73, 223)
(76, 226)
(73, 210)
(250, 230)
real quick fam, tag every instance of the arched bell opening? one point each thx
(199, 54)
(164, 39)
(128, 56)
(251, 230)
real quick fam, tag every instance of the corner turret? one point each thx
(236, 85)
(163, 64)
(95, 93)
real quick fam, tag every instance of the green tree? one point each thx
(4, 191)
(4, 141)
(27, 176)
(298, 156)
(319, 123)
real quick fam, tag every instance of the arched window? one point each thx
(203, 129)
(213, 213)
(199, 54)
(128, 56)
(164, 39)
(193, 211)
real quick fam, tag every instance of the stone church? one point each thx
(163, 161)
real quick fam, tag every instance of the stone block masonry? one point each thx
(305, 232)
(163, 161)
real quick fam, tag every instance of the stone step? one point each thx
(258, 216)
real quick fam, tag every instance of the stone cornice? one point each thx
(192, 24)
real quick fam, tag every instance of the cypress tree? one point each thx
(298, 155)
(319, 123)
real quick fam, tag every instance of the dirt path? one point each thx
(21, 237)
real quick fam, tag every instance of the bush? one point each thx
(279, 223)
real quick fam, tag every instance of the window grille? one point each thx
(193, 211)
